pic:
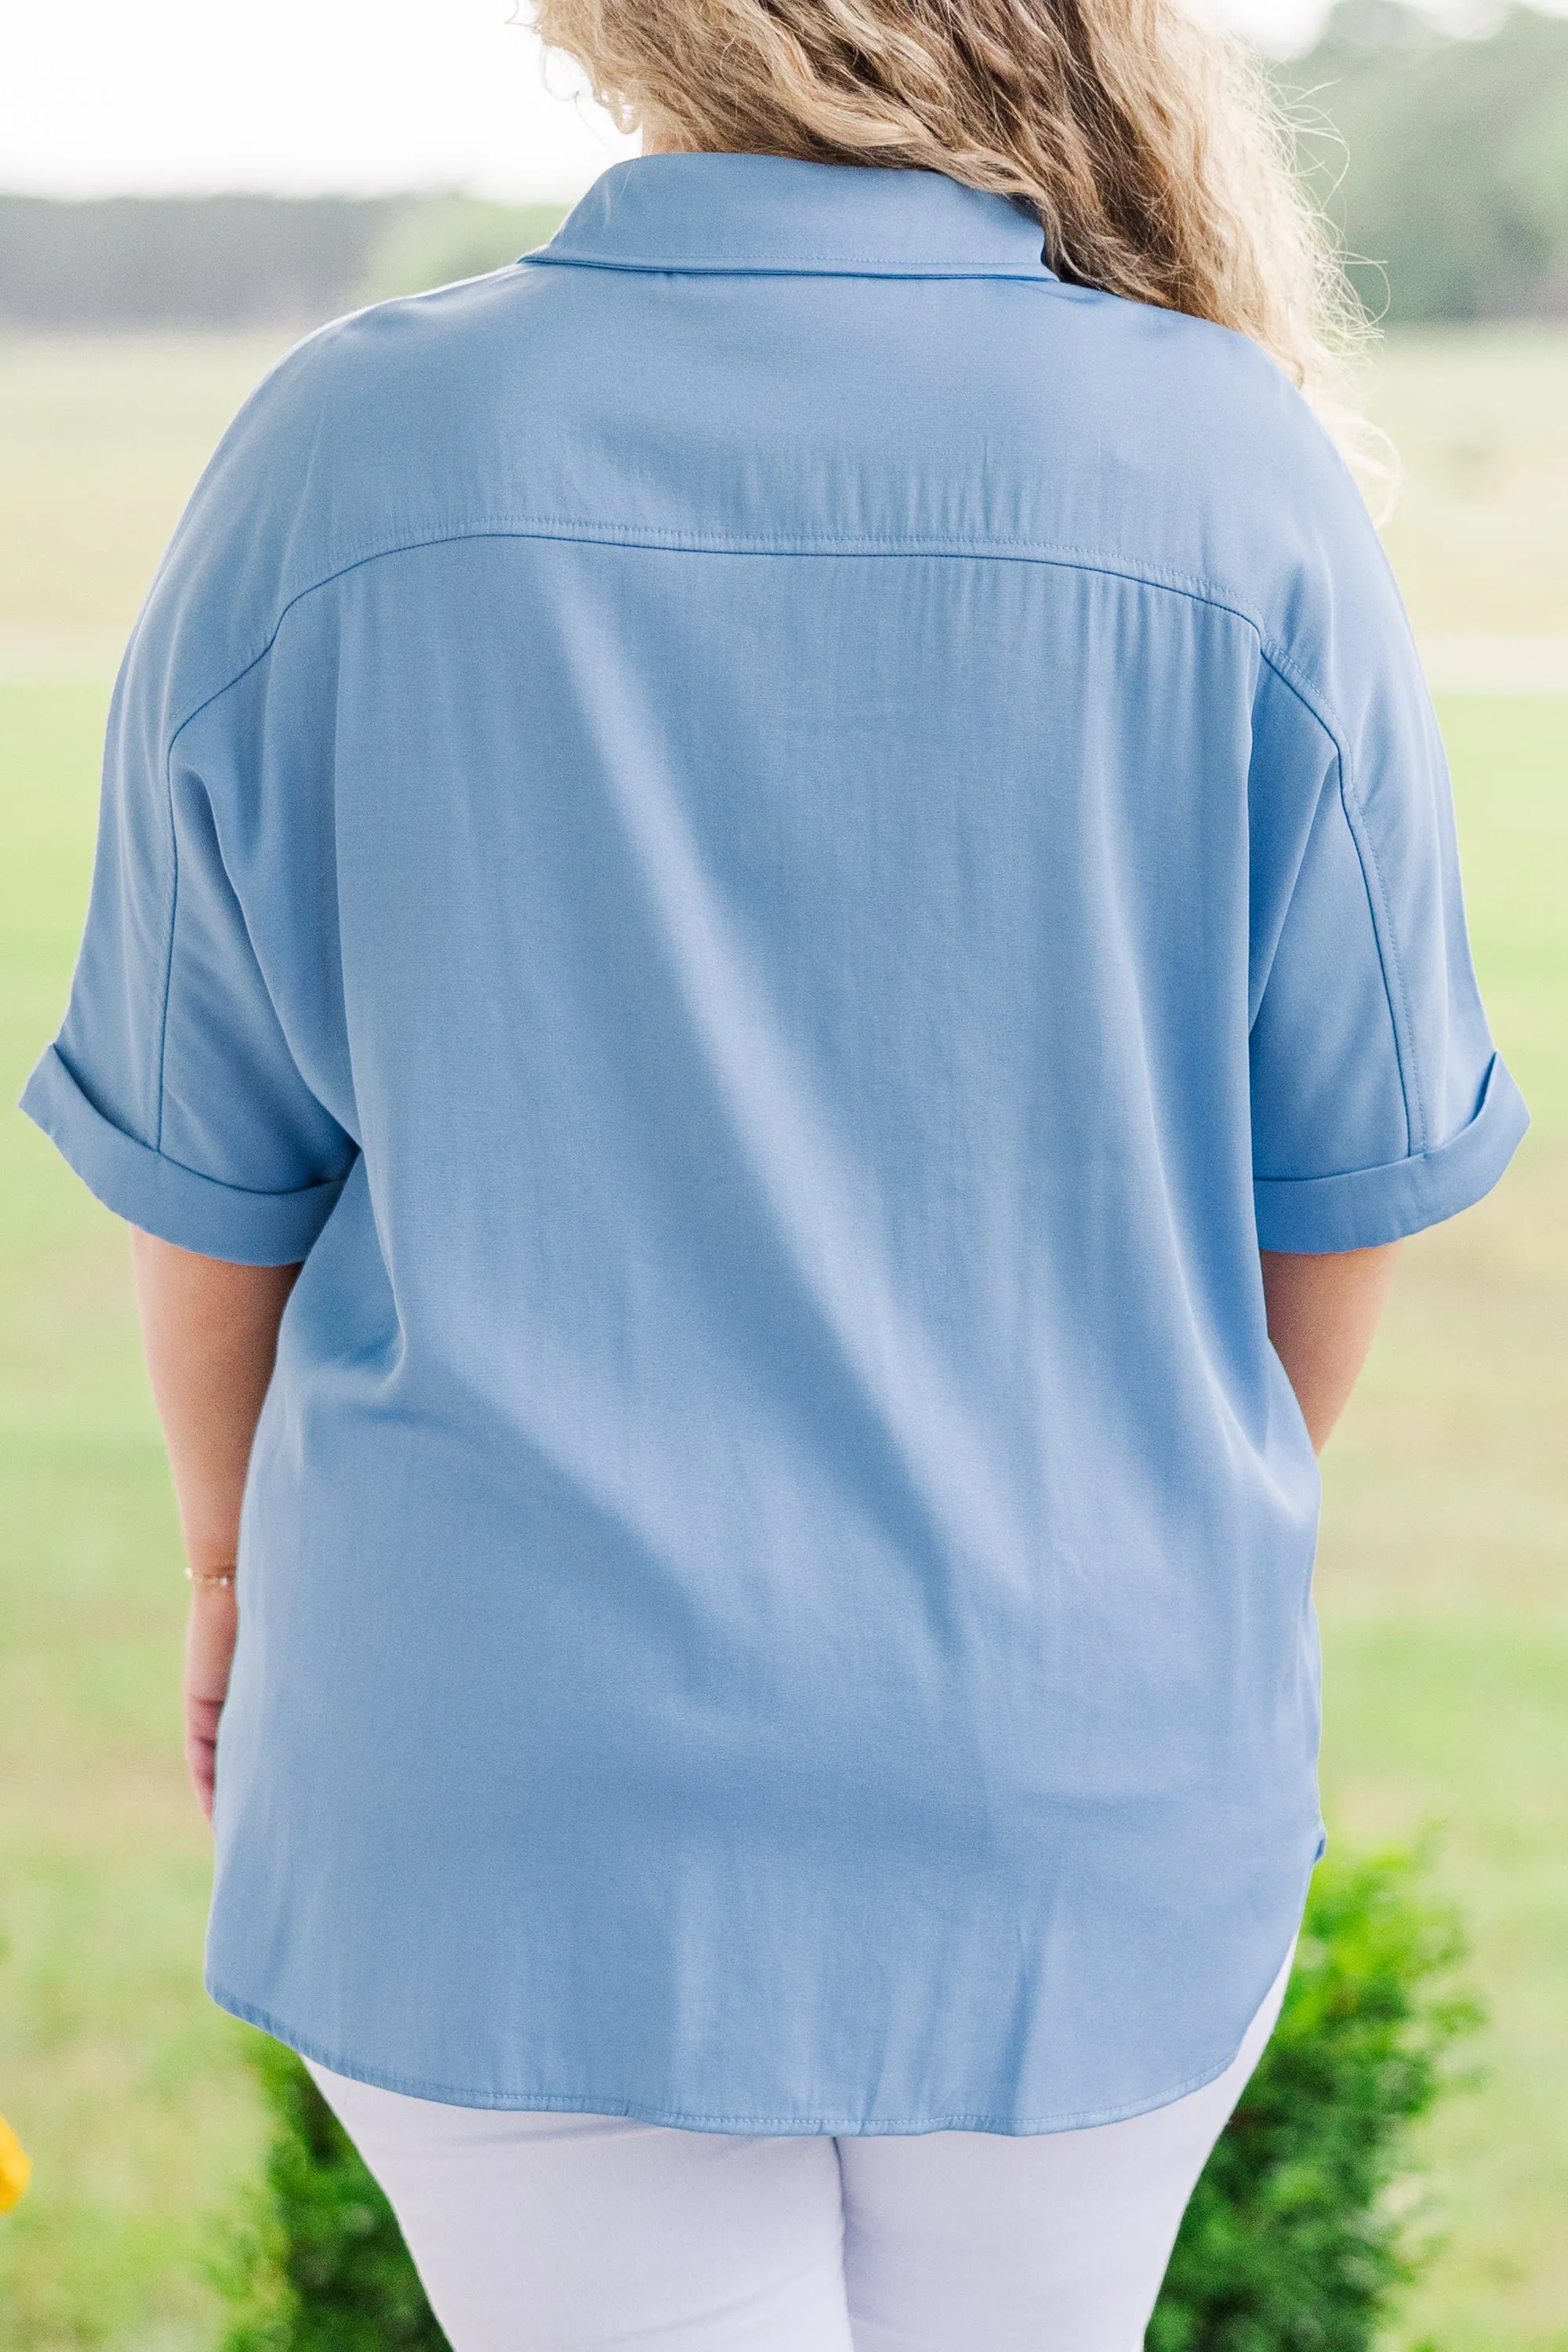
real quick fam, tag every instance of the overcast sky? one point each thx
(101, 96)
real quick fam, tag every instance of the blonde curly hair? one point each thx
(1152, 148)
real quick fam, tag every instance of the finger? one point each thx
(210, 1631)
(201, 1763)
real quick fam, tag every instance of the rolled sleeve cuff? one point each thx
(1315, 1214)
(195, 1212)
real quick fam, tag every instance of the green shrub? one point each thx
(320, 2265)
(1293, 2241)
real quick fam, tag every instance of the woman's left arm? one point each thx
(210, 1333)
(1323, 1313)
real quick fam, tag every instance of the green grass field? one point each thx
(1442, 1583)
(1479, 416)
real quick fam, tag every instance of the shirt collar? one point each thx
(770, 215)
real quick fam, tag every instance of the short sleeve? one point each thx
(1379, 1103)
(173, 1088)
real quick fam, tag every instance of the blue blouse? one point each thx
(774, 843)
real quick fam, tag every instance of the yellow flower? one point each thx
(15, 2167)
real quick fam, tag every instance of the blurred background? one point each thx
(184, 189)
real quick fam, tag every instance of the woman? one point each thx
(746, 868)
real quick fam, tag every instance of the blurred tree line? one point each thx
(1442, 160)
(243, 260)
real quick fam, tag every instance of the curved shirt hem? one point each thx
(159, 1195)
(1369, 1206)
(583, 2103)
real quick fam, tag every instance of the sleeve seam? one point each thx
(1394, 979)
(1389, 963)
(169, 957)
(189, 719)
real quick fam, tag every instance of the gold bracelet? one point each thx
(210, 1576)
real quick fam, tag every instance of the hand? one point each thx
(210, 1630)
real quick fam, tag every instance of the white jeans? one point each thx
(555, 2233)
